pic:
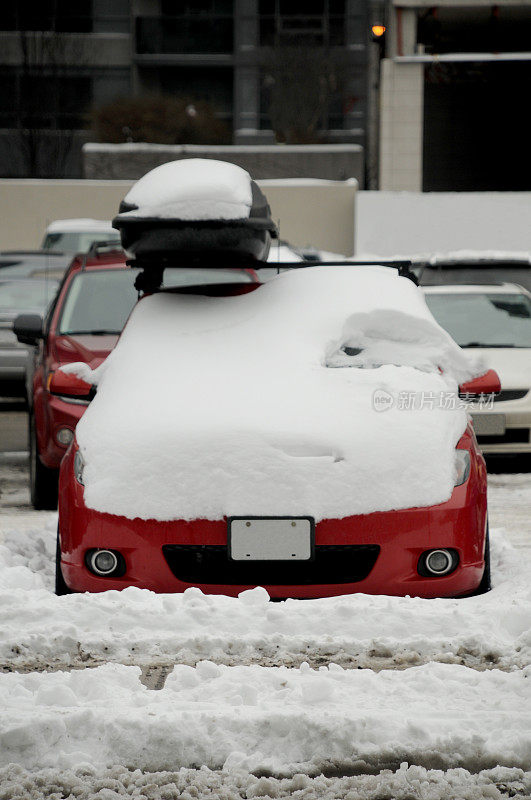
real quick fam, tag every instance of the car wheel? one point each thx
(43, 480)
(60, 586)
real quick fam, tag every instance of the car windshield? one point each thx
(22, 295)
(77, 242)
(484, 319)
(99, 301)
(474, 273)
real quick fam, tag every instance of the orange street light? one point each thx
(378, 30)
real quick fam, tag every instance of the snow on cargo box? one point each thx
(196, 207)
(255, 404)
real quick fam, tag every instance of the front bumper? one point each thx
(401, 537)
(516, 438)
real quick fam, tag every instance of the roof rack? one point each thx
(150, 279)
(403, 266)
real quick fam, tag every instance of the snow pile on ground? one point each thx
(192, 189)
(268, 720)
(407, 783)
(417, 223)
(27, 554)
(138, 626)
(238, 413)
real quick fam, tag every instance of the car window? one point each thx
(462, 274)
(101, 300)
(77, 242)
(181, 276)
(19, 295)
(484, 319)
(98, 301)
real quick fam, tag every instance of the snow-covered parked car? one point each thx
(306, 436)
(493, 321)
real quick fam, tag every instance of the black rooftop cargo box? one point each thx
(191, 209)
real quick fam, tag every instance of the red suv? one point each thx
(82, 324)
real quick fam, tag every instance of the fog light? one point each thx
(439, 562)
(64, 436)
(103, 562)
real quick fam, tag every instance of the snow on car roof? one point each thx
(81, 224)
(249, 405)
(479, 257)
(195, 189)
(473, 288)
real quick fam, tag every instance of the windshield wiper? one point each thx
(96, 332)
(482, 344)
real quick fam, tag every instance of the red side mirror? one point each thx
(69, 385)
(489, 383)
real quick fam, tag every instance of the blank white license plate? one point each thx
(271, 538)
(485, 424)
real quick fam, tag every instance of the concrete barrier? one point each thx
(336, 162)
(316, 212)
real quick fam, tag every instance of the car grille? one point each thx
(510, 394)
(511, 436)
(211, 564)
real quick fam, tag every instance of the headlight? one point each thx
(462, 466)
(79, 465)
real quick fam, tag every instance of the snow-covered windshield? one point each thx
(484, 319)
(99, 301)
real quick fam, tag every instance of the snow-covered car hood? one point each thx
(249, 405)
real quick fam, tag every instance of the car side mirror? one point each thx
(69, 385)
(28, 328)
(489, 383)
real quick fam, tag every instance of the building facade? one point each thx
(454, 91)
(61, 58)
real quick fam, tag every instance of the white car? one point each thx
(494, 320)
(78, 235)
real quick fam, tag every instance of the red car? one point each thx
(82, 325)
(431, 550)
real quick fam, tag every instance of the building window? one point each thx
(66, 16)
(494, 29)
(196, 26)
(317, 22)
(48, 100)
(213, 84)
(43, 100)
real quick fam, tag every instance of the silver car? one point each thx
(19, 296)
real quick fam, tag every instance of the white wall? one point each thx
(314, 212)
(408, 223)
